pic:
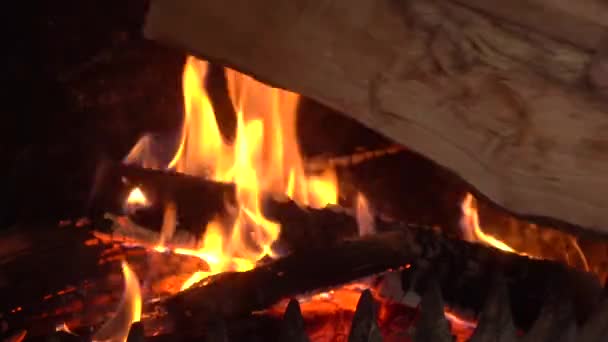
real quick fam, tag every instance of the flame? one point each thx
(129, 310)
(264, 159)
(462, 328)
(136, 199)
(365, 219)
(472, 230)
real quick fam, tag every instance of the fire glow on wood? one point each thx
(263, 159)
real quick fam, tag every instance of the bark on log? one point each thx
(498, 94)
(233, 295)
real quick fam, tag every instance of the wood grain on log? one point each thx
(495, 99)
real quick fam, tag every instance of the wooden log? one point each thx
(47, 253)
(493, 93)
(232, 295)
(197, 199)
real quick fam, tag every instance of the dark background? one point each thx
(80, 84)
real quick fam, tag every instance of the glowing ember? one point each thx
(462, 328)
(129, 310)
(264, 158)
(64, 327)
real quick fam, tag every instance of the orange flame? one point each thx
(462, 328)
(264, 159)
(129, 310)
(365, 219)
(472, 230)
(136, 199)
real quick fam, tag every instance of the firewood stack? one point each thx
(434, 266)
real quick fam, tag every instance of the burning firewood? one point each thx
(197, 198)
(467, 84)
(365, 323)
(320, 164)
(292, 326)
(432, 326)
(236, 294)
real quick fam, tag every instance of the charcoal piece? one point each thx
(136, 333)
(365, 325)
(556, 322)
(495, 322)
(216, 331)
(596, 327)
(292, 326)
(432, 325)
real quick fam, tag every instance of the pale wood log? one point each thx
(505, 104)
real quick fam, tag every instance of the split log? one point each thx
(197, 199)
(499, 94)
(232, 295)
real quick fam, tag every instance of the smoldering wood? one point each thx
(251, 328)
(124, 230)
(197, 198)
(236, 294)
(555, 323)
(292, 326)
(46, 252)
(320, 164)
(364, 326)
(432, 325)
(493, 93)
(216, 331)
(496, 321)
(596, 328)
(303, 226)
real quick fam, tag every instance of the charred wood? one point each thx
(555, 323)
(595, 328)
(136, 333)
(495, 321)
(365, 323)
(432, 325)
(216, 331)
(198, 199)
(292, 326)
(236, 294)
(45, 254)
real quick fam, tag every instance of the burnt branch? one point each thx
(232, 295)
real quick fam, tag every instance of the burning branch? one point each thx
(235, 294)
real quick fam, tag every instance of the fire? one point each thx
(472, 230)
(365, 219)
(129, 310)
(264, 159)
(462, 328)
(136, 199)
